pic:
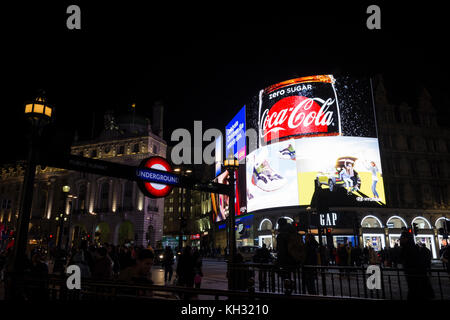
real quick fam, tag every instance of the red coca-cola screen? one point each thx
(317, 139)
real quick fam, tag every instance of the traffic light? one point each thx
(296, 226)
(415, 229)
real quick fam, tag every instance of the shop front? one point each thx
(337, 227)
(373, 232)
(244, 231)
(425, 235)
(395, 226)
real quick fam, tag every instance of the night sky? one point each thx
(205, 63)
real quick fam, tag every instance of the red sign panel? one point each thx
(300, 107)
(153, 189)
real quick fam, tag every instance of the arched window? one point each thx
(289, 220)
(440, 223)
(265, 224)
(422, 223)
(396, 222)
(371, 222)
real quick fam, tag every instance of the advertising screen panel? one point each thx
(218, 160)
(317, 139)
(235, 136)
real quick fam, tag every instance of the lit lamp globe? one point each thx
(66, 189)
(38, 111)
(231, 163)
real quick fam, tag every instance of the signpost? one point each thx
(153, 174)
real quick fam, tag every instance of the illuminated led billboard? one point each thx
(235, 136)
(317, 139)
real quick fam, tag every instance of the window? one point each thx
(104, 195)
(94, 153)
(155, 149)
(121, 150)
(136, 148)
(128, 195)
(371, 222)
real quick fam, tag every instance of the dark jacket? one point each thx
(185, 270)
(283, 257)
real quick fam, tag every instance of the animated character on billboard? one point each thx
(342, 175)
(346, 176)
(287, 153)
(373, 169)
(223, 199)
(264, 177)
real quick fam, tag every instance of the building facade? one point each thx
(415, 155)
(194, 206)
(97, 208)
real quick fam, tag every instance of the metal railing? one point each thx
(54, 288)
(337, 281)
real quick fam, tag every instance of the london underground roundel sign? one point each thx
(155, 177)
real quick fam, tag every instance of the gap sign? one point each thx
(155, 177)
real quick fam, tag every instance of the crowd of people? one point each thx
(132, 264)
(128, 263)
(414, 258)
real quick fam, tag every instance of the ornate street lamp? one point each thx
(39, 113)
(231, 164)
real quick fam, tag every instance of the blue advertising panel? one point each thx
(235, 136)
(218, 162)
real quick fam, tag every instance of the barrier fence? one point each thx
(251, 281)
(338, 281)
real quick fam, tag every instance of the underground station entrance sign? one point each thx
(156, 183)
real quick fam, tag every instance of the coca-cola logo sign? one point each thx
(303, 110)
(297, 115)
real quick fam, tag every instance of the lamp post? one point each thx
(39, 114)
(63, 218)
(60, 219)
(231, 164)
(71, 198)
(184, 172)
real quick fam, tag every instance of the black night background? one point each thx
(204, 63)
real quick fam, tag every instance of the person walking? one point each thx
(185, 268)
(342, 257)
(198, 274)
(419, 286)
(103, 265)
(445, 257)
(167, 264)
(309, 271)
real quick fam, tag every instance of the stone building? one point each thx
(197, 210)
(99, 208)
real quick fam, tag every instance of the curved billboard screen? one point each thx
(317, 145)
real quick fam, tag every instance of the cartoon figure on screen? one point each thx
(223, 199)
(346, 176)
(372, 167)
(264, 177)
